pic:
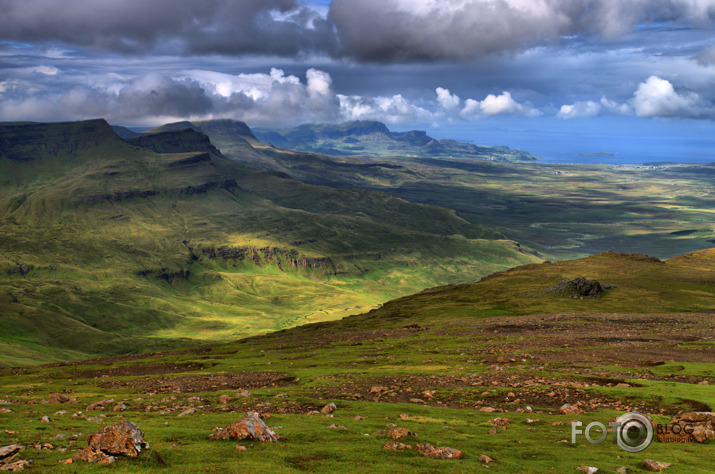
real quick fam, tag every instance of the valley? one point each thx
(111, 247)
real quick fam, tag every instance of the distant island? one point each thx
(602, 154)
(375, 139)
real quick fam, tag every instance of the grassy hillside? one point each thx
(110, 247)
(448, 364)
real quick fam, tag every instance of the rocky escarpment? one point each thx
(210, 183)
(175, 141)
(284, 259)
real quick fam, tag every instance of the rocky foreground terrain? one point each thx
(443, 380)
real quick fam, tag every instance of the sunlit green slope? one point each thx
(109, 247)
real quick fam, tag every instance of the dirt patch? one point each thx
(310, 341)
(204, 382)
(136, 370)
(501, 391)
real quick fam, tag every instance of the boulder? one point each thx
(251, 427)
(587, 288)
(6, 452)
(16, 466)
(587, 469)
(395, 445)
(59, 398)
(567, 409)
(397, 433)
(439, 453)
(688, 427)
(655, 466)
(123, 438)
(100, 405)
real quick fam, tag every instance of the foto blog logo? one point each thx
(632, 432)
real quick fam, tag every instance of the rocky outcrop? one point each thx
(283, 258)
(21, 270)
(214, 182)
(189, 161)
(123, 438)
(579, 288)
(119, 196)
(165, 274)
(251, 427)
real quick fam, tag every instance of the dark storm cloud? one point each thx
(425, 30)
(274, 27)
(365, 30)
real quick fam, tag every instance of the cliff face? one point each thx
(24, 142)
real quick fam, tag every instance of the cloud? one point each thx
(446, 99)
(428, 30)
(275, 27)
(365, 30)
(392, 110)
(587, 108)
(148, 96)
(706, 57)
(501, 104)
(657, 97)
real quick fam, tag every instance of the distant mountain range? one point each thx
(375, 139)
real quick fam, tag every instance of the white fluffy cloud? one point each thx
(501, 104)
(393, 110)
(655, 97)
(658, 97)
(587, 108)
(446, 99)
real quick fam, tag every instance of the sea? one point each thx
(616, 141)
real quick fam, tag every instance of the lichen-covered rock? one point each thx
(58, 398)
(655, 466)
(100, 405)
(16, 466)
(395, 445)
(587, 469)
(397, 433)
(6, 452)
(94, 456)
(123, 438)
(329, 408)
(567, 409)
(439, 453)
(251, 427)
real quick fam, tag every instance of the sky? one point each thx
(525, 73)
